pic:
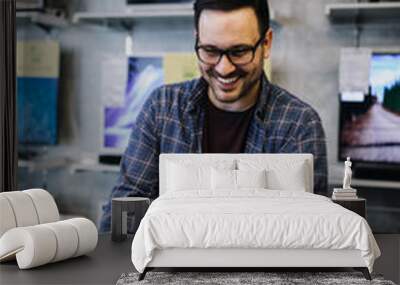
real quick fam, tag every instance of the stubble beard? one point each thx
(246, 88)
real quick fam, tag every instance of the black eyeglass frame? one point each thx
(228, 51)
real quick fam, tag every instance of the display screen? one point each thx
(145, 74)
(370, 125)
(38, 65)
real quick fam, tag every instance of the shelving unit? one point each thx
(46, 20)
(364, 12)
(43, 165)
(73, 167)
(128, 18)
(370, 183)
(97, 167)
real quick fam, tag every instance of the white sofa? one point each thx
(286, 173)
(31, 233)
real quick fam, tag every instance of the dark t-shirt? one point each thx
(225, 131)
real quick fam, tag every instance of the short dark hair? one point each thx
(260, 7)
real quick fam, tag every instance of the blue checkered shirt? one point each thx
(172, 119)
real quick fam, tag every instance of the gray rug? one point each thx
(243, 278)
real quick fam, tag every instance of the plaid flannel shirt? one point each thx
(171, 121)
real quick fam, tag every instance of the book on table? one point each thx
(342, 190)
(344, 194)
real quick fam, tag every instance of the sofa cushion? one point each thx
(26, 208)
(6, 216)
(23, 208)
(45, 243)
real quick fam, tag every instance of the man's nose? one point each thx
(224, 66)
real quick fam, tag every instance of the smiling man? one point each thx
(232, 108)
(231, 54)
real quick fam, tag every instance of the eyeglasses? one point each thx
(239, 55)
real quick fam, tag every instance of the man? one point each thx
(232, 108)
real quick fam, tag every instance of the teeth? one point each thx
(227, 81)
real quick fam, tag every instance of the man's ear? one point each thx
(267, 44)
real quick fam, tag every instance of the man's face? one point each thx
(230, 84)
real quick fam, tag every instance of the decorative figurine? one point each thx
(347, 192)
(347, 174)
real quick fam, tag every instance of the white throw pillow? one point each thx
(237, 179)
(183, 178)
(292, 180)
(281, 174)
(223, 179)
(251, 178)
(188, 175)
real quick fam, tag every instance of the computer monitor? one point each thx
(370, 123)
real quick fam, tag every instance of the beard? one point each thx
(244, 84)
(217, 91)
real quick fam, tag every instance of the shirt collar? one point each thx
(199, 95)
(263, 98)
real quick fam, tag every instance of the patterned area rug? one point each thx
(242, 278)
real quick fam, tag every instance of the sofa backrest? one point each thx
(26, 208)
(282, 168)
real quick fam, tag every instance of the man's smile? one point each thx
(227, 83)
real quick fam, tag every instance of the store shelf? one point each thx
(73, 167)
(43, 19)
(128, 18)
(364, 12)
(43, 164)
(97, 167)
(378, 184)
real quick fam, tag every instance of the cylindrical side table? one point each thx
(120, 208)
